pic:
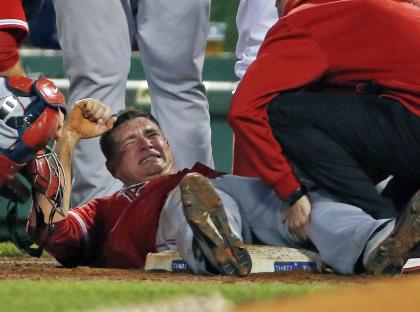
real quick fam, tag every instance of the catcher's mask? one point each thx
(29, 118)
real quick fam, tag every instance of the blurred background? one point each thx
(41, 55)
(43, 30)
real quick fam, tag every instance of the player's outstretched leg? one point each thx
(205, 213)
(388, 252)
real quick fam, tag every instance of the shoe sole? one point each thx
(392, 254)
(205, 213)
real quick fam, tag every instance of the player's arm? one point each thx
(10, 63)
(15, 70)
(89, 118)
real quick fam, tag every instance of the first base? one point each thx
(264, 259)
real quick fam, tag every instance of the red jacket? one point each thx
(116, 231)
(343, 43)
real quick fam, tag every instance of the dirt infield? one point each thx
(364, 293)
(49, 269)
(383, 296)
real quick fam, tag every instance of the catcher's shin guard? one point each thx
(205, 213)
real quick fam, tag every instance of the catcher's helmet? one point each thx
(29, 118)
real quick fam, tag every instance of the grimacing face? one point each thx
(141, 152)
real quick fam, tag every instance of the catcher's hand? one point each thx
(89, 118)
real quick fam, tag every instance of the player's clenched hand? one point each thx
(89, 118)
(297, 218)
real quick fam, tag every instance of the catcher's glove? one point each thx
(29, 118)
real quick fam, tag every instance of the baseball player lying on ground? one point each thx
(207, 216)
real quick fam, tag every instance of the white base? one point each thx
(264, 259)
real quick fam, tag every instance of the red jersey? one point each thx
(332, 43)
(115, 231)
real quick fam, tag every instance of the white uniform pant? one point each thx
(254, 19)
(338, 231)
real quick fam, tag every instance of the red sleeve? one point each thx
(73, 240)
(9, 50)
(288, 59)
(12, 16)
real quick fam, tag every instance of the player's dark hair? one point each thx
(106, 141)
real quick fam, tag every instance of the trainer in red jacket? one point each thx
(335, 88)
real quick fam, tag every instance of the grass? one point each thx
(8, 249)
(47, 296)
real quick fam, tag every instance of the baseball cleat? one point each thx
(392, 252)
(205, 213)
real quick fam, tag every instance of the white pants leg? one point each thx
(95, 40)
(254, 19)
(175, 233)
(339, 231)
(172, 38)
